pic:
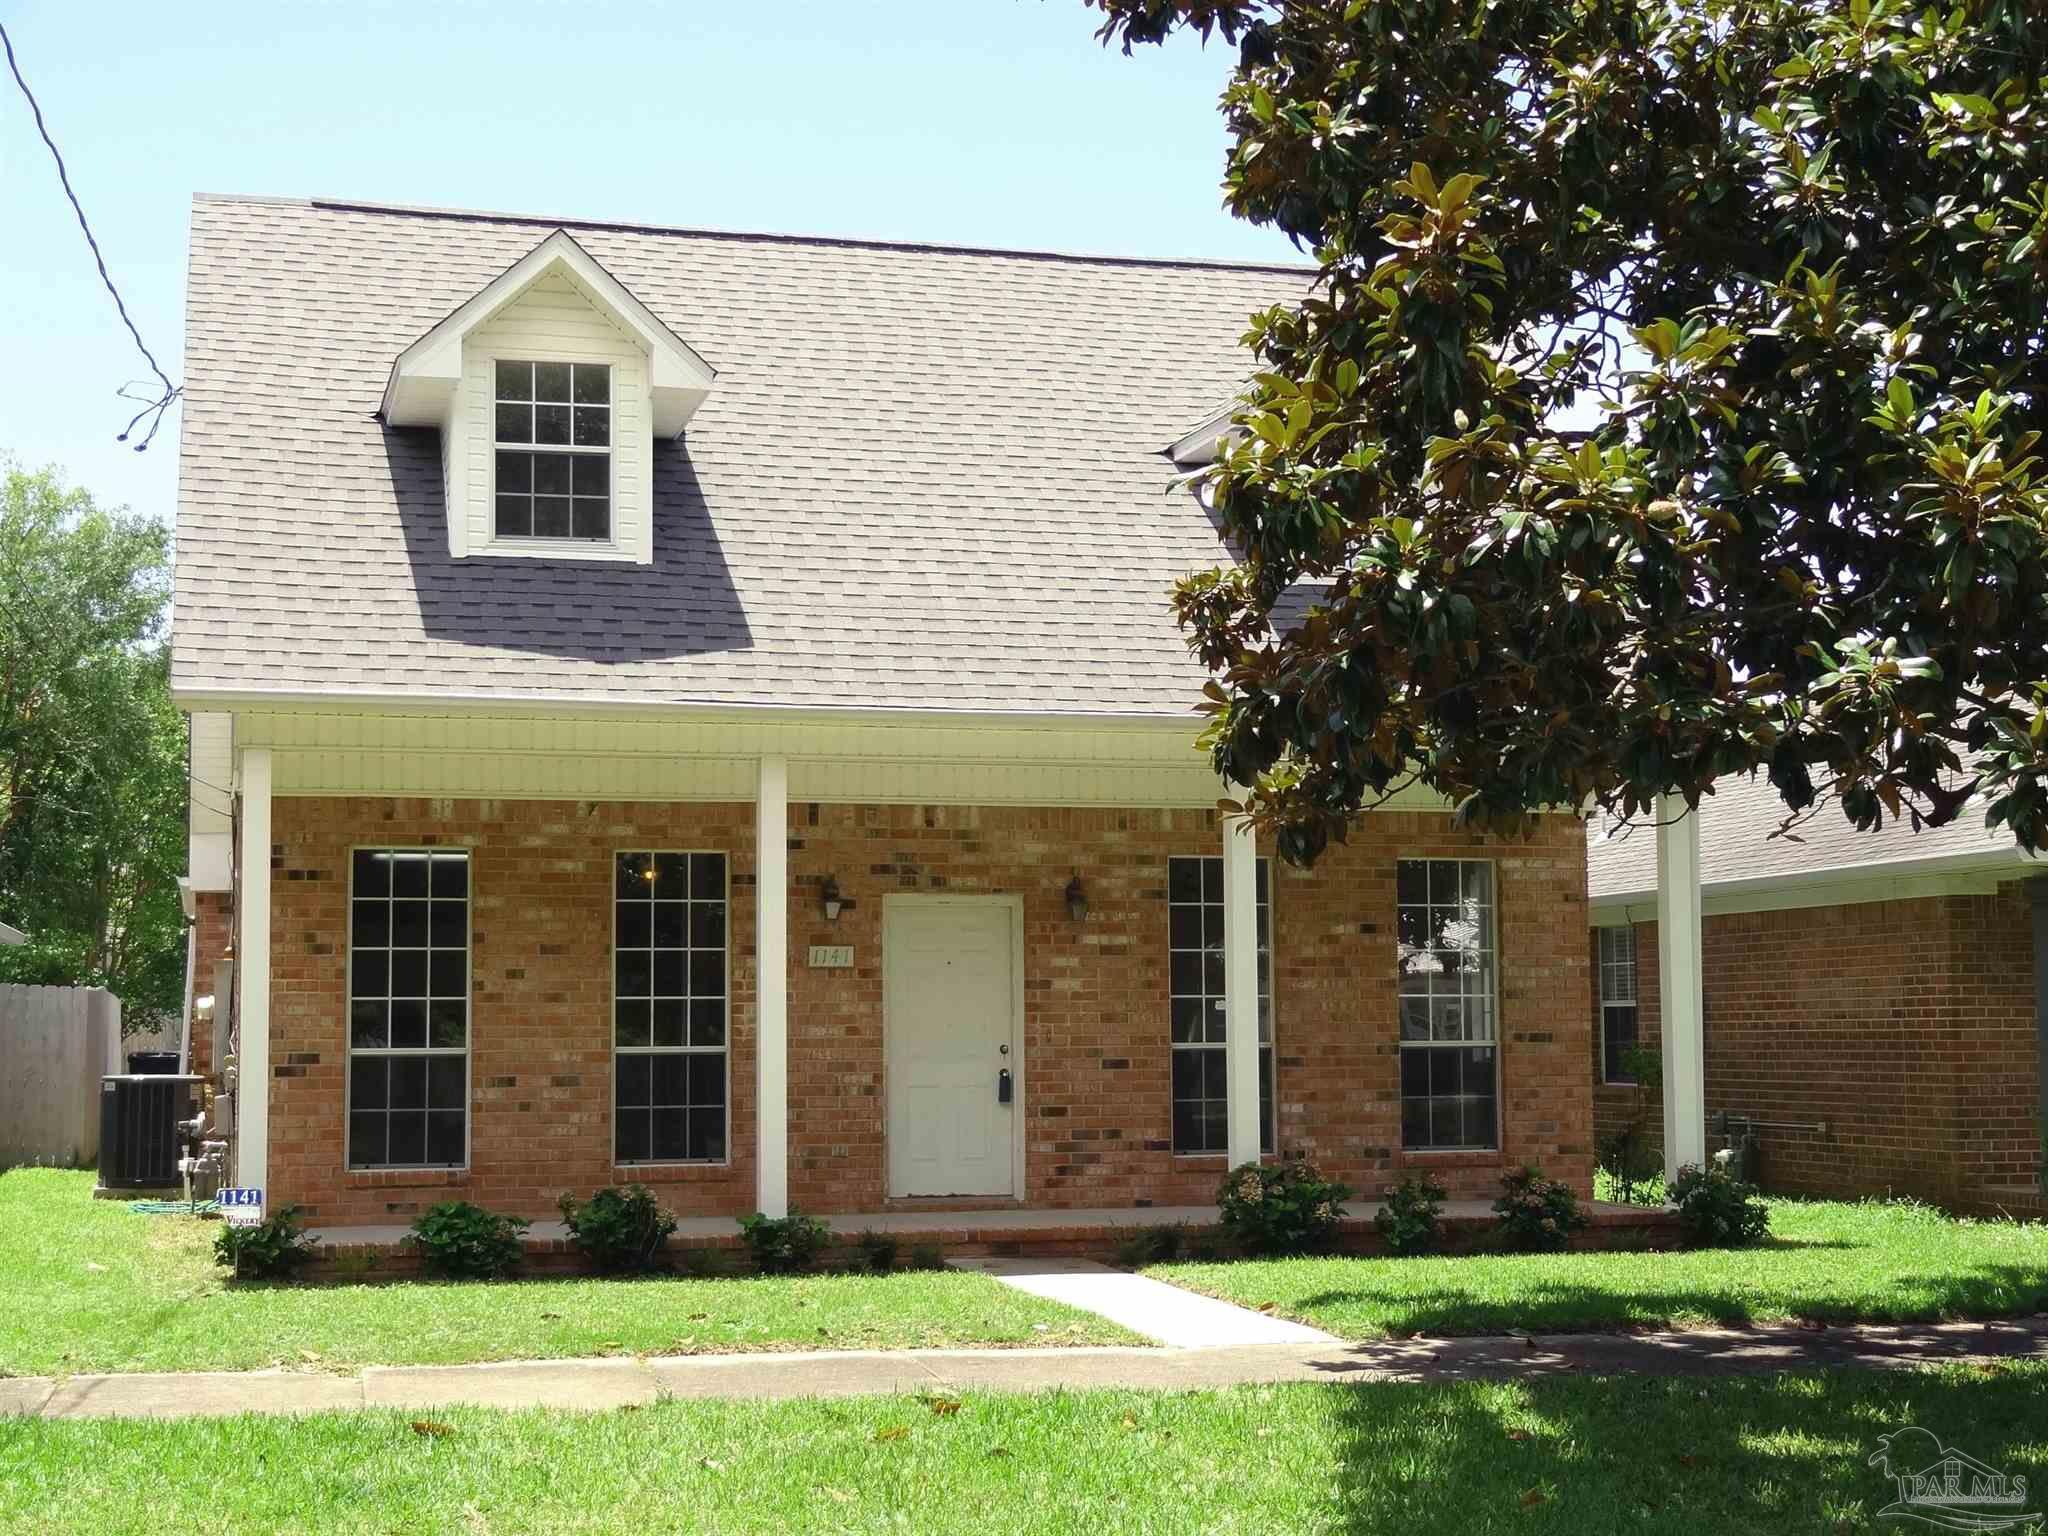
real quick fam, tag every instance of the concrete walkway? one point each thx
(601, 1384)
(1163, 1313)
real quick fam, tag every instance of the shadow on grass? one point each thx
(1981, 1291)
(1732, 1455)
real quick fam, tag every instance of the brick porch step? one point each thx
(380, 1252)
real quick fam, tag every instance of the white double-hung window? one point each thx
(553, 429)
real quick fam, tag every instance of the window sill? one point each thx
(639, 1172)
(1620, 1082)
(403, 1178)
(1454, 1157)
(552, 549)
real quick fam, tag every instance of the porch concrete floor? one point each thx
(999, 1224)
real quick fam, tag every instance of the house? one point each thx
(704, 709)
(1873, 1001)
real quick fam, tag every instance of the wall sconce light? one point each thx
(1077, 900)
(831, 901)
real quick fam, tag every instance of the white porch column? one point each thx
(771, 988)
(1680, 986)
(1241, 986)
(252, 979)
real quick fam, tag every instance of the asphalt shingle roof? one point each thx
(927, 477)
(1736, 823)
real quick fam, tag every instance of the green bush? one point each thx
(703, 1263)
(622, 1230)
(786, 1245)
(1718, 1210)
(877, 1251)
(927, 1256)
(1410, 1218)
(1537, 1215)
(466, 1242)
(270, 1250)
(1281, 1207)
(1152, 1245)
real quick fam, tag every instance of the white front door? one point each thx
(950, 1003)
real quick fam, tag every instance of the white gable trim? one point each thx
(421, 389)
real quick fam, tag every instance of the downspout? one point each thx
(185, 1024)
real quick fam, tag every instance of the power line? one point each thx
(153, 409)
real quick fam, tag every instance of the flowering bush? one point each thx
(1537, 1215)
(1281, 1207)
(1410, 1218)
(1718, 1210)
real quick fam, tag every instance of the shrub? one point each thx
(1152, 1245)
(1537, 1215)
(270, 1250)
(1282, 1208)
(467, 1242)
(785, 1245)
(621, 1230)
(702, 1263)
(1410, 1219)
(877, 1252)
(1633, 1165)
(1718, 1210)
(927, 1256)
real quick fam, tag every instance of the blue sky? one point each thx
(999, 122)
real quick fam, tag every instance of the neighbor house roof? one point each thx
(927, 477)
(1742, 866)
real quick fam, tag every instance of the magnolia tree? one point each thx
(1665, 406)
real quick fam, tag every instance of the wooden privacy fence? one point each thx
(57, 1043)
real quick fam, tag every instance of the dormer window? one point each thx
(550, 386)
(554, 450)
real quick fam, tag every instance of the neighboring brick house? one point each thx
(705, 709)
(1872, 999)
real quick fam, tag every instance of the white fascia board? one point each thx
(421, 389)
(1953, 874)
(1199, 446)
(11, 935)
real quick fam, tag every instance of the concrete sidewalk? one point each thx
(602, 1384)
(1163, 1313)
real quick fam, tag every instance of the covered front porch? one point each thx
(1065, 836)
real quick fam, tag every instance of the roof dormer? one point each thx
(550, 387)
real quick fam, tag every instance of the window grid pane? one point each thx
(554, 433)
(669, 990)
(408, 1013)
(1447, 948)
(1618, 1014)
(1195, 962)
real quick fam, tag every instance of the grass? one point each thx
(1580, 1456)
(88, 1286)
(1827, 1261)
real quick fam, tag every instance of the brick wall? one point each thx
(1095, 1080)
(1907, 1026)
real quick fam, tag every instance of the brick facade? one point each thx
(1096, 1054)
(1907, 1026)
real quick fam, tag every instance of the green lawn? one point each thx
(1577, 1456)
(89, 1286)
(1827, 1261)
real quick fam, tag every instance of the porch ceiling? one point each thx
(683, 754)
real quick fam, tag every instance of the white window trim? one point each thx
(1269, 1045)
(612, 1092)
(1633, 1000)
(548, 548)
(350, 1052)
(1494, 1040)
